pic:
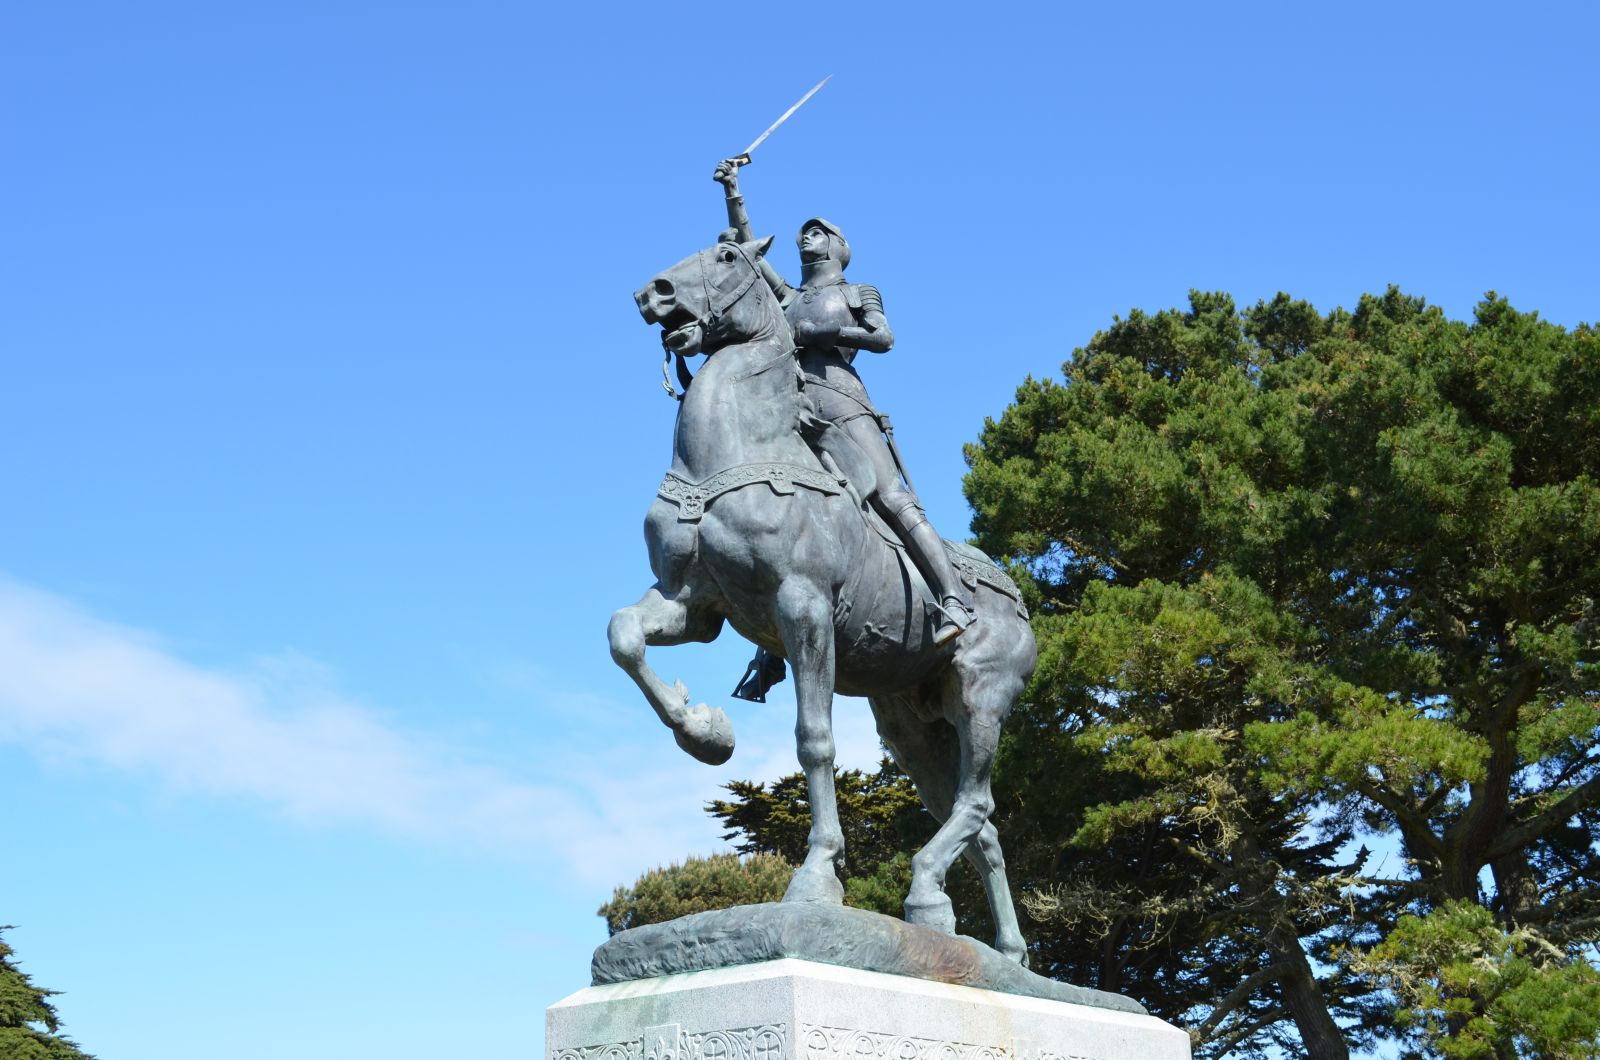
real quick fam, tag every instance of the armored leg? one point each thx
(900, 509)
(927, 552)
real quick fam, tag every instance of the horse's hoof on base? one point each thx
(1012, 951)
(706, 733)
(935, 913)
(814, 887)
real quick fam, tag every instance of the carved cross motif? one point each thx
(768, 1046)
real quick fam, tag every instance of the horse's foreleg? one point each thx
(703, 731)
(805, 616)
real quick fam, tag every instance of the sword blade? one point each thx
(745, 154)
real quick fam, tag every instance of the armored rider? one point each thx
(832, 320)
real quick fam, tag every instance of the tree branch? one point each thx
(1414, 828)
(1578, 799)
(1263, 1018)
(1237, 996)
(1573, 768)
(1426, 807)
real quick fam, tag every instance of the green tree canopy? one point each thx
(1301, 579)
(1469, 988)
(882, 818)
(883, 821)
(29, 1026)
(698, 884)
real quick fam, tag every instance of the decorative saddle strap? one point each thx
(974, 569)
(693, 498)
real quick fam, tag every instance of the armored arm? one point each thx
(872, 327)
(727, 174)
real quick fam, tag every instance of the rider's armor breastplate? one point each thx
(829, 306)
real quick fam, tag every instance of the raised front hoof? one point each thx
(934, 912)
(814, 886)
(706, 733)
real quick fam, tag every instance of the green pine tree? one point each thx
(695, 886)
(29, 1026)
(1468, 988)
(883, 822)
(1300, 579)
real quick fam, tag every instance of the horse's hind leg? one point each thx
(658, 618)
(927, 904)
(805, 615)
(975, 706)
(985, 855)
(930, 753)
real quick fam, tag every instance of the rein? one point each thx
(713, 317)
(786, 355)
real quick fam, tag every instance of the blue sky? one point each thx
(327, 424)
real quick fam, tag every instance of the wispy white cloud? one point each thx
(75, 687)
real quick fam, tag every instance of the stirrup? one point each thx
(764, 671)
(955, 618)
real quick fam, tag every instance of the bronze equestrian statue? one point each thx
(797, 552)
(832, 320)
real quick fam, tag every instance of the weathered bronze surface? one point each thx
(772, 518)
(852, 938)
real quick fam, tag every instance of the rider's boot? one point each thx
(927, 552)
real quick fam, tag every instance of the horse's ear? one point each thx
(759, 247)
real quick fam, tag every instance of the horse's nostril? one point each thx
(663, 288)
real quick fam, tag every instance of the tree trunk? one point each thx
(1488, 802)
(1516, 888)
(1321, 1036)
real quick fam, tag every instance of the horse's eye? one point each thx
(726, 256)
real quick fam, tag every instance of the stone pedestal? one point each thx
(801, 1010)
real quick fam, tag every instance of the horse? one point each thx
(751, 527)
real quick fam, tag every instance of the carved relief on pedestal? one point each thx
(767, 1041)
(1032, 1050)
(770, 1041)
(843, 1043)
(817, 1042)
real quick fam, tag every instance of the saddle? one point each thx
(844, 459)
(845, 469)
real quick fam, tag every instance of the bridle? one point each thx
(714, 314)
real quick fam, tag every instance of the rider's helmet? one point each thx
(838, 246)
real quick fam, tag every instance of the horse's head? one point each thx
(711, 299)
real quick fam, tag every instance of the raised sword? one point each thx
(743, 157)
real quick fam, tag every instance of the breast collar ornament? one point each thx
(693, 498)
